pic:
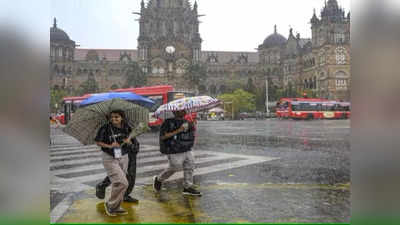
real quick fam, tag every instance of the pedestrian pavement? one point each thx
(75, 168)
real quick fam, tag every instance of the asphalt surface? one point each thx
(262, 171)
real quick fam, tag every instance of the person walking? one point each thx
(176, 141)
(110, 137)
(130, 176)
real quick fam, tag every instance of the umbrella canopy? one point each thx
(216, 110)
(86, 121)
(189, 104)
(128, 96)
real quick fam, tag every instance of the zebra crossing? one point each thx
(75, 168)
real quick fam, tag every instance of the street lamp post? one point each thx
(266, 97)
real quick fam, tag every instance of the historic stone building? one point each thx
(169, 43)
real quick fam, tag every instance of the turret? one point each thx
(314, 20)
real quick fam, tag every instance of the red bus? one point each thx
(160, 94)
(70, 104)
(312, 108)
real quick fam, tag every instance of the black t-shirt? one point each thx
(105, 135)
(181, 142)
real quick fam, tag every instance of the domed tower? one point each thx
(61, 46)
(270, 53)
(270, 49)
(169, 37)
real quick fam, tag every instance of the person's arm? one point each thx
(173, 133)
(104, 145)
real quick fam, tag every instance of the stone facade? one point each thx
(169, 41)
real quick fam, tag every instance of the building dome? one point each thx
(274, 39)
(56, 34)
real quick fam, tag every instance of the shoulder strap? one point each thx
(112, 133)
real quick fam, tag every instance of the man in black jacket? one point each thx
(131, 175)
(177, 140)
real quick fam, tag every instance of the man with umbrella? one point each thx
(177, 140)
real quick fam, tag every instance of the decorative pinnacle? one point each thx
(55, 23)
(275, 29)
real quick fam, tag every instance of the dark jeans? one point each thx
(131, 175)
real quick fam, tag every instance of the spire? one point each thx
(195, 6)
(55, 23)
(275, 29)
(142, 4)
(291, 32)
(314, 18)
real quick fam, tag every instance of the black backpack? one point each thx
(181, 143)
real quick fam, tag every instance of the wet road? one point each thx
(262, 171)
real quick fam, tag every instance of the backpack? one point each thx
(181, 143)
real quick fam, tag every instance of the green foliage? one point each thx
(135, 77)
(196, 74)
(56, 96)
(242, 101)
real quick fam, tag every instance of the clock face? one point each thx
(170, 49)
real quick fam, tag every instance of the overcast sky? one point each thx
(228, 25)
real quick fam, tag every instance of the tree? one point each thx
(135, 77)
(196, 74)
(56, 97)
(242, 101)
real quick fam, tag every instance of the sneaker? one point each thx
(120, 211)
(108, 210)
(156, 184)
(191, 191)
(130, 199)
(100, 191)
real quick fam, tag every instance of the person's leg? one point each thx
(174, 164)
(131, 176)
(188, 168)
(116, 171)
(101, 188)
